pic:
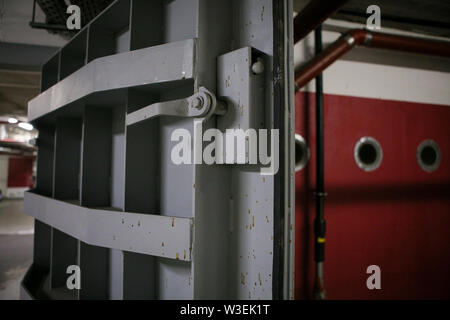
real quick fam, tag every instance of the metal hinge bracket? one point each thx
(202, 104)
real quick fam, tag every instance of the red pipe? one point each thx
(307, 20)
(372, 40)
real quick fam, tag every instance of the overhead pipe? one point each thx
(371, 40)
(312, 16)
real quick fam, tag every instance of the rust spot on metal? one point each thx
(259, 278)
(228, 82)
(162, 244)
(242, 279)
(177, 256)
(173, 222)
(184, 254)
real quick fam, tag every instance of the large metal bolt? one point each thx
(197, 103)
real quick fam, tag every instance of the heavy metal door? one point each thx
(134, 116)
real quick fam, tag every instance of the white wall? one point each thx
(15, 193)
(380, 74)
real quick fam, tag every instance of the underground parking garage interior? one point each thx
(224, 150)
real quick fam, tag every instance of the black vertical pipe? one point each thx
(319, 223)
(319, 115)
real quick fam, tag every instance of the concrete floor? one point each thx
(16, 247)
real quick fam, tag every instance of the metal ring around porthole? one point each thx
(429, 155)
(368, 154)
(301, 153)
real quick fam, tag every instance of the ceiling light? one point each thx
(26, 126)
(13, 120)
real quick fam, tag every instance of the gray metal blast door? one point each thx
(110, 198)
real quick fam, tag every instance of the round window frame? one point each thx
(299, 140)
(379, 154)
(425, 167)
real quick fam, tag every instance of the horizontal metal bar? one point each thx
(178, 108)
(161, 236)
(150, 66)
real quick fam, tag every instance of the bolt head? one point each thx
(197, 103)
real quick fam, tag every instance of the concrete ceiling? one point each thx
(16, 89)
(430, 17)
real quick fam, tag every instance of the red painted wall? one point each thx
(397, 217)
(20, 172)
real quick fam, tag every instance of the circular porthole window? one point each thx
(368, 154)
(429, 155)
(301, 153)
